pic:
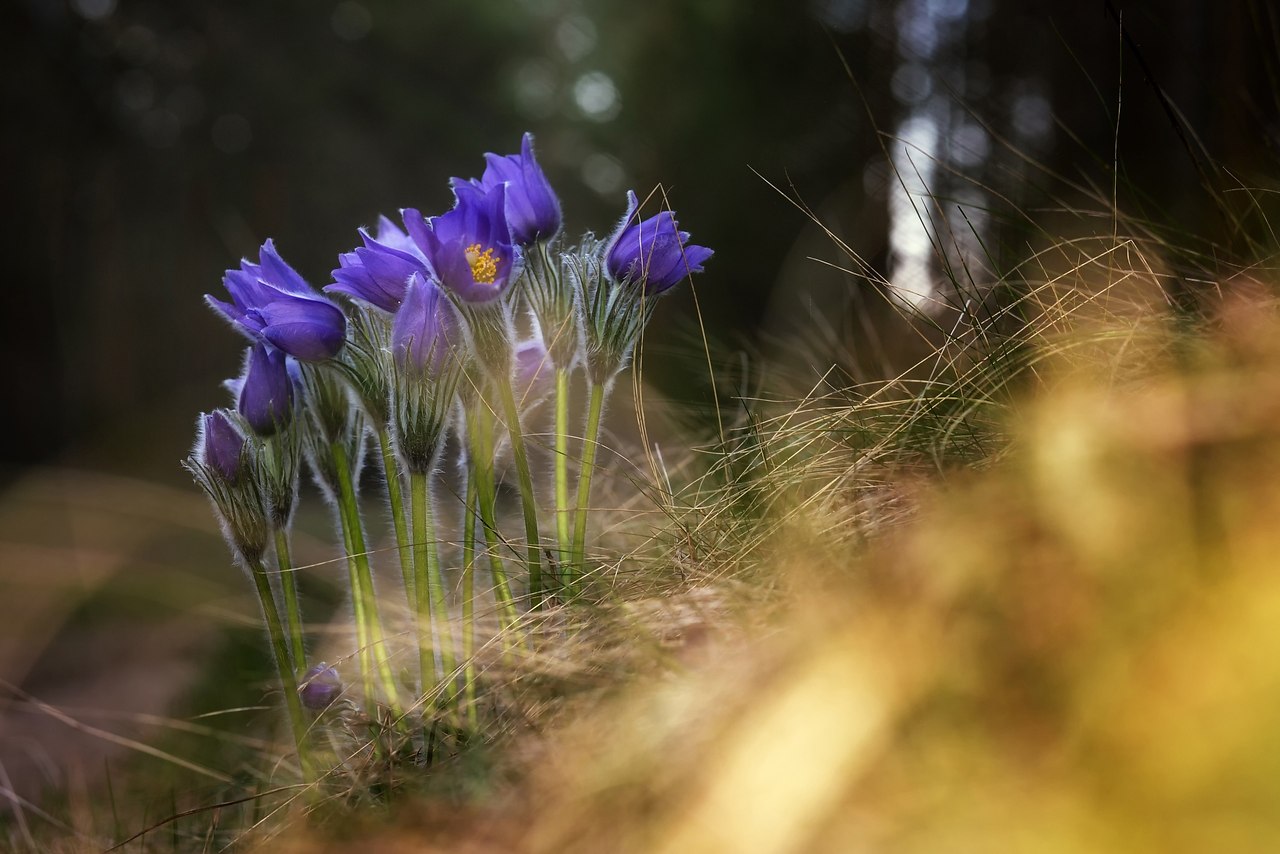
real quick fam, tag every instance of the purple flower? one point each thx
(221, 445)
(271, 302)
(469, 248)
(321, 685)
(653, 252)
(378, 271)
(532, 209)
(425, 329)
(535, 375)
(264, 392)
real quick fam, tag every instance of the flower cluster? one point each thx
(457, 323)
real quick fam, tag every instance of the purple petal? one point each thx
(266, 390)
(276, 272)
(222, 445)
(307, 329)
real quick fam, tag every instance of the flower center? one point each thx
(484, 266)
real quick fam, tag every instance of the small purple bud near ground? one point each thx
(320, 686)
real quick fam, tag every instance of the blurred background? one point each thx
(149, 144)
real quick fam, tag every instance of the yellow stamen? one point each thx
(484, 266)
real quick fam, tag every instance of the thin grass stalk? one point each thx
(363, 582)
(292, 610)
(590, 442)
(528, 503)
(280, 650)
(564, 533)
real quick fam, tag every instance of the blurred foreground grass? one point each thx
(1026, 597)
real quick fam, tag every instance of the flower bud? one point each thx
(222, 446)
(320, 687)
(266, 390)
(425, 330)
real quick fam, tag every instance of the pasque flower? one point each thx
(425, 329)
(264, 391)
(270, 302)
(532, 208)
(469, 249)
(221, 446)
(222, 463)
(653, 253)
(534, 373)
(378, 271)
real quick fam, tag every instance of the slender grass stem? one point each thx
(292, 611)
(469, 605)
(563, 528)
(395, 495)
(590, 442)
(280, 650)
(528, 502)
(431, 604)
(480, 427)
(362, 588)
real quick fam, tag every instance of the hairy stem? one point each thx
(292, 611)
(395, 495)
(480, 427)
(590, 442)
(528, 503)
(363, 584)
(431, 605)
(563, 530)
(280, 650)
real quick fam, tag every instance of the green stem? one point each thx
(528, 502)
(590, 442)
(563, 531)
(480, 426)
(363, 647)
(292, 611)
(432, 607)
(395, 495)
(469, 603)
(280, 649)
(363, 587)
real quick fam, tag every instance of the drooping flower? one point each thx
(271, 302)
(221, 446)
(264, 391)
(653, 253)
(378, 271)
(469, 249)
(425, 329)
(532, 208)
